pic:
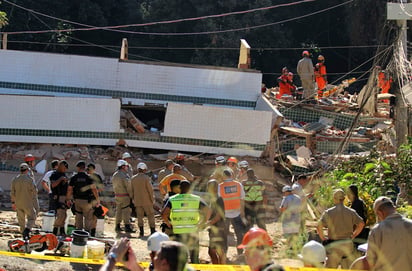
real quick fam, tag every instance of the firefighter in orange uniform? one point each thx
(320, 76)
(285, 83)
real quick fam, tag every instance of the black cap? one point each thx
(81, 164)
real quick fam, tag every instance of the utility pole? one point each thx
(401, 12)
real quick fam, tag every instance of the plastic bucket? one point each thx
(70, 229)
(80, 237)
(77, 251)
(48, 221)
(95, 250)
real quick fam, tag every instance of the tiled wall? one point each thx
(218, 123)
(59, 113)
(62, 74)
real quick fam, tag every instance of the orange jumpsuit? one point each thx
(384, 84)
(320, 77)
(285, 86)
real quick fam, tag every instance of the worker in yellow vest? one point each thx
(255, 200)
(187, 213)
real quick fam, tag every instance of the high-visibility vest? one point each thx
(253, 190)
(184, 213)
(231, 192)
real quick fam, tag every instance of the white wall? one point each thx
(217, 123)
(109, 73)
(60, 113)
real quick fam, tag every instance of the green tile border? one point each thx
(128, 136)
(127, 94)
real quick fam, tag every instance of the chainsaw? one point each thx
(37, 242)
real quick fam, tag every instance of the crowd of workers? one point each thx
(312, 78)
(235, 196)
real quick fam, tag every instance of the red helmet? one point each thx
(305, 53)
(256, 237)
(232, 160)
(29, 158)
(180, 157)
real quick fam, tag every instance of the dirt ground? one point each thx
(139, 246)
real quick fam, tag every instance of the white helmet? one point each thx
(121, 162)
(243, 164)
(314, 253)
(154, 240)
(126, 155)
(142, 166)
(220, 160)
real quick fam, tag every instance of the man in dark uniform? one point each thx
(82, 189)
(59, 184)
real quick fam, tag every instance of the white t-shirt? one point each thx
(46, 178)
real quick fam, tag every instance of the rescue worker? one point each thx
(216, 223)
(255, 200)
(153, 245)
(306, 74)
(175, 189)
(84, 193)
(128, 158)
(384, 82)
(30, 160)
(286, 86)
(220, 163)
(233, 196)
(122, 195)
(45, 183)
(97, 179)
(180, 159)
(168, 169)
(232, 164)
(290, 208)
(389, 242)
(164, 185)
(188, 214)
(59, 184)
(23, 191)
(320, 76)
(340, 222)
(143, 198)
(242, 174)
(257, 246)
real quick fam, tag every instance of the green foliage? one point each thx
(375, 175)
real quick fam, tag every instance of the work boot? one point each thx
(93, 232)
(152, 230)
(62, 232)
(141, 230)
(55, 230)
(118, 228)
(26, 233)
(128, 228)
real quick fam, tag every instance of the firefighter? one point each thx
(23, 191)
(320, 76)
(306, 74)
(122, 195)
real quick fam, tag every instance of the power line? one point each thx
(116, 27)
(182, 33)
(199, 48)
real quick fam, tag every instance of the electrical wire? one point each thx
(181, 33)
(197, 48)
(115, 28)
